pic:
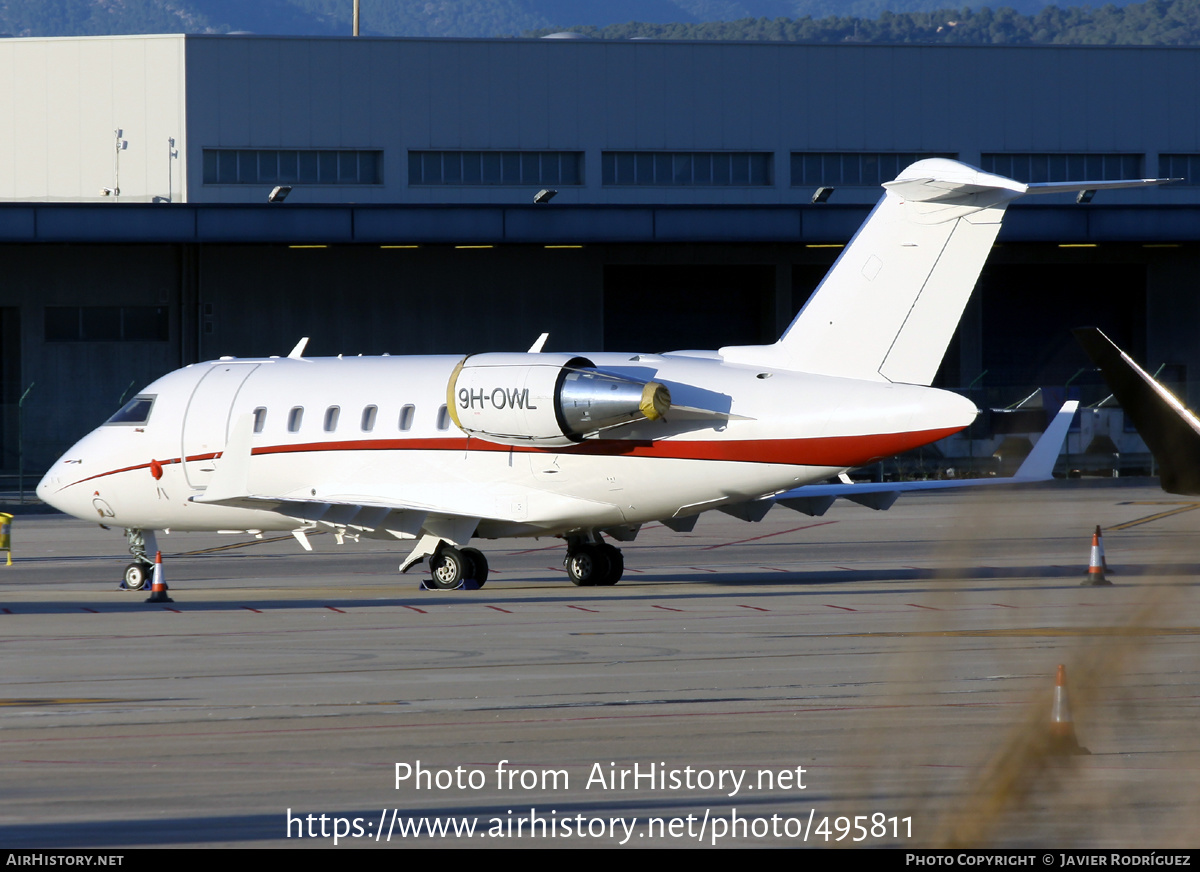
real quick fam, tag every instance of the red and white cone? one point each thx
(1062, 728)
(1095, 573)
(1103, 558)
(158, 593)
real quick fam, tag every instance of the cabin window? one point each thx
(331, 418)
(443, 419)
(368, 418)
(406, 417)
(295, 418)
(136, 411)
(260, 419)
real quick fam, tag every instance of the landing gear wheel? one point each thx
(479, 565)
(137, 576)
(616, 565)
(448, 568)
(588, 565)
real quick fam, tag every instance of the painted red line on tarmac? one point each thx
(847, 568)
(915, 606)
(332, 609)
(176, 611)
(631, 569)
(93, 611)
(256, 611)
(756, 608)
(767, 535)
(666, 608)
(415, 609)
(843, 608)
(497, 608)
(6, 611)
(1003, 606)
(701, 569)
(582, 609)
(773, 569)
(556, 569)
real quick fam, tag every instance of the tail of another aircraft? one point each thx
(1170, 431)
(890, 304)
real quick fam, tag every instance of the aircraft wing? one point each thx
(815, 499)
(452, 507)
(1169, 429)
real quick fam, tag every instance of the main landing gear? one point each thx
(451, 568)
(593, 564)
(140, 573)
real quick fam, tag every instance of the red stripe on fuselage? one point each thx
(834, 451)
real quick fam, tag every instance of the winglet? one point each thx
(536, 348)
(1039, 465)
(233, 472)
(298, 352)
(1170, 431)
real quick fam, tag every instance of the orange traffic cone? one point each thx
(1103, 557)
(158, 593)
(1062, 728)
(1095, 573)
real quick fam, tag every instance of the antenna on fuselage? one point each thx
(297, 352)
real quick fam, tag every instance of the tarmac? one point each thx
(863, 678)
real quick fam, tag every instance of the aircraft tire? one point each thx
(137, 576)
(479, 565)
(448, 569)
(616, 565)
(588, 565)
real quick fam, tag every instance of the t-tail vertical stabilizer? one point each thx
(889, 305)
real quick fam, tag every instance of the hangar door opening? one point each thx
(672, 308)
(1030, 309)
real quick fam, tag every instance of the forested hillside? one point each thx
(1163, 22)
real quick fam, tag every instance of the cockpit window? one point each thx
(136, 411)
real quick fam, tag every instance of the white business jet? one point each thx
(446, 449)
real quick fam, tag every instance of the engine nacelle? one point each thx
(546, 399)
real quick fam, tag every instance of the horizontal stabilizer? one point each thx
(1170, 431)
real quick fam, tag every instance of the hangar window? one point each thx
(1180, 166)
(107, 323)
(260, 419)
(443, 421)
(495, 168)
(690, 168)
(331, 418)
(1039, 167)
(240, 166)
(851, 168)
(406, 417)
(295, 419)
(368, 418)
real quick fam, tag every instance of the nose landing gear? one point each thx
(140, 573)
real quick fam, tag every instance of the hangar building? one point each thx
(136, 235)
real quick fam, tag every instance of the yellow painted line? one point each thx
(1038, 631)
(1156, 517)
(65, 701)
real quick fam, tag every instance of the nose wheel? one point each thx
(594, 564)
(138, 576)
(142, 544)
